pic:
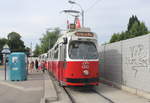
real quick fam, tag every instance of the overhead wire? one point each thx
(93, 5)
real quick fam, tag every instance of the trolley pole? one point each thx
(82, 11)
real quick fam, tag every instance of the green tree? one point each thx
(27, 51)
(135, 28)
(13, 36)
(138, 29)
(37, 50)
(3, 41)
(143, 29)
(122, 36)
(132, 20)
(15, 43)
(47, 41)
(115, 37)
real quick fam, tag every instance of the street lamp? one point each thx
(5, 51)
(82, 11)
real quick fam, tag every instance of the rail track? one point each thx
(86, 94)
(69, 95)
(103, 96)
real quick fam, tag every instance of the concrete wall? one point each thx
(127, 62)
(101, 59)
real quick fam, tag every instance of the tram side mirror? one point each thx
(64, 40)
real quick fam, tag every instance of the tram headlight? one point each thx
(85, 72)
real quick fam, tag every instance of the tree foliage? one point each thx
(13, 36)
(132, 20)
(37, 50)
(115, 37)
(14, 42)
(47, 41)
(135, 28)
(3, 41)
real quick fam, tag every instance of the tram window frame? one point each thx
(56, 52)
(56, 55)
(61, 53)
(65, 52)
(49, 55)
(52, 55)
(77, 46)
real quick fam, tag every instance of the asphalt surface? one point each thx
(30, 91)
(2, 74)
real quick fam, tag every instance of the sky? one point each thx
(31, 18)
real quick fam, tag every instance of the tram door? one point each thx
(62, 60)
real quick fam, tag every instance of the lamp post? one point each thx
(5, 51)
(82, 11)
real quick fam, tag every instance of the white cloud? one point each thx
(32, 17)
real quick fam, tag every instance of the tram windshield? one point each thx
(82, 50)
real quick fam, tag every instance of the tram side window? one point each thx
(56, 54)
(48, 55)
(52, 55)
(65, 52)
(62, 52)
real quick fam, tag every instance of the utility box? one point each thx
(17, 66)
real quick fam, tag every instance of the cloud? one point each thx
(31, 18)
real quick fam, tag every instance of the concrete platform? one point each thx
(2, 74)
(134, 91)
(30, 91)
(119, 96)
(39, 88)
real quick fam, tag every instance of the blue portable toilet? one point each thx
(17, 66)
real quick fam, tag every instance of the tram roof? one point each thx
(72, 32)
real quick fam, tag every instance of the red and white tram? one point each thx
(74, 58)
(43, 61)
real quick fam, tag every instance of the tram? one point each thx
(43, 61)
(73, 60)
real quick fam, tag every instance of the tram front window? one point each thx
(82, 50)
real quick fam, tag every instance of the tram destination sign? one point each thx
(84, 34)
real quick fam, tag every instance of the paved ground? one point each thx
(30, 91)
(82, 95)
(119, 96)
(2, 75)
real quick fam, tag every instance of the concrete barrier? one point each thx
(50, 93)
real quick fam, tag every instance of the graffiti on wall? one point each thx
(138, 58)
